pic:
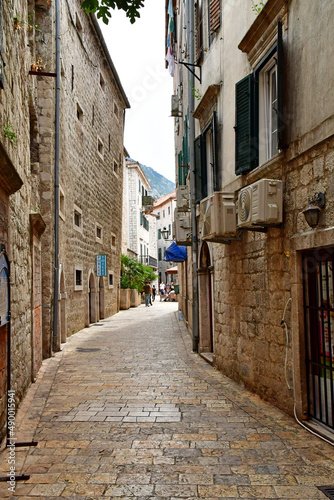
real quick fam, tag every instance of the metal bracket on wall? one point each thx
(187, 65)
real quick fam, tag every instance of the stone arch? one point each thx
(92, 302)
(205, 295)
(101, 297)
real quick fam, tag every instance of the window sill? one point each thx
(266, 169)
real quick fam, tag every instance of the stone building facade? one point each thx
(164, 209)
(263, 109)
(91, 118)
(140, 242)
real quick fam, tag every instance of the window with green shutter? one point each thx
(206, 163)
(259, 123)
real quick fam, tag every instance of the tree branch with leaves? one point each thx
(103, 8)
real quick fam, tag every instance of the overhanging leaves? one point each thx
(102, 8)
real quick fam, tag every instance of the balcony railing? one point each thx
(147, 260)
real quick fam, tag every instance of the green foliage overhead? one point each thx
(134, 274)
(102, 8)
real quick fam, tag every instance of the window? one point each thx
(116, 110)
(159, 253)
(98, 228)
(163, 213)
(77, 218)
(168, 210)
(158, 215)
(259, 124)
(115, 167)
(159, 234)
(206, 165)
(78, 278)
(111, 280)
(78, 24)
(79, 113)
(169, 229)
(102, 82)
(61, 204)
(100, 147)
(113, 240)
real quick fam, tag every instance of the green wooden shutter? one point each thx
(198, 169)
(244, 127)
(215, 152)
(280, 122)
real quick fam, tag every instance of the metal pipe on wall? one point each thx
(194, 245)
(56, 184)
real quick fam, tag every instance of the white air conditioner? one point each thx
(182, 198)
(175, 106)
(261, 204)
(182, 228)
(218, 219)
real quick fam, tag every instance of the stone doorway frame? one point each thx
(206, 301)
(91, 309)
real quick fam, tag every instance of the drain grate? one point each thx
(327, 490)
(88, 349)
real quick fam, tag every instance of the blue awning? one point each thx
(175, 253)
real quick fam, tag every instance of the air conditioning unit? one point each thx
(182, 228)
(218, 219)
(175, 106)
(182, 198)
(261, 204)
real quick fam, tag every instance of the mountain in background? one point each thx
(159, 184)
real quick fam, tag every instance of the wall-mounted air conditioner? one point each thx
(218, 219)
(182, 198)
(182, 228)
(261, 204)
(175, 106)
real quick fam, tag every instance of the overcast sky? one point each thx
(138, 53)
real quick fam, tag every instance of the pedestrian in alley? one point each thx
(154, 291)
(147, 292)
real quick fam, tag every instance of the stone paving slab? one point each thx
(127, 411)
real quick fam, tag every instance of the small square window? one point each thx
(77, 218)
(113, 241)
(111, 280)
(98, 229)
(116, 110)
(78, 278)
(79, 113)
(115, 167)
(100, 147)
(102, 82)
(78, 24)
(61, 204)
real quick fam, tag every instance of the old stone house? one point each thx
(164, 209)
(256, 126)
(61, 179)
(140, 240)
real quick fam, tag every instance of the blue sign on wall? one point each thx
(101, 265)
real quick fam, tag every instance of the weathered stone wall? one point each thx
(91, 167)
(17, 107)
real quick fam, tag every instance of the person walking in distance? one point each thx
(147, 293)
(153, 292)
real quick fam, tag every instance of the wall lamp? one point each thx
(165, 233)
(312, 213)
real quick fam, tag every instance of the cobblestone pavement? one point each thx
(127, 411)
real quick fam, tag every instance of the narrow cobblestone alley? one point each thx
(126, 410)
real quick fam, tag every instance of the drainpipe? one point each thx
(194, 246)
(56, 185)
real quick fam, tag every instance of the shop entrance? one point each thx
(319, 331)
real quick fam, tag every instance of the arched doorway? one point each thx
(92, 299)
(205, 293)
(101, 298)
(62, 308)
